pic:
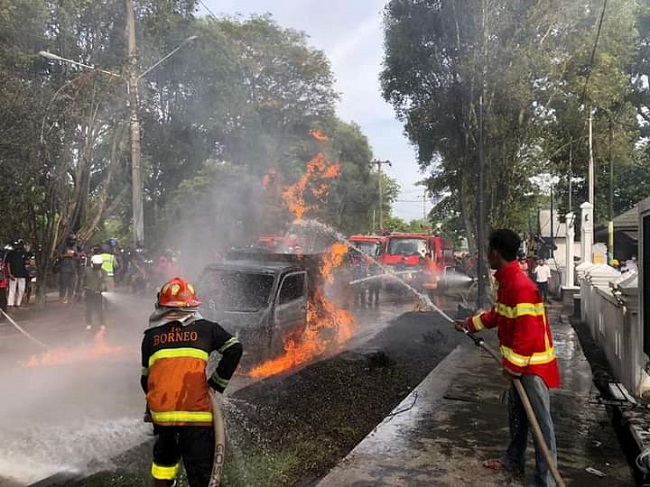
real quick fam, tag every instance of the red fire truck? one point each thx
(418, 258)
(370, 245)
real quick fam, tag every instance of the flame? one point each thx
(318, 135)
(61, 356)
(328, 326)
(269, 178)
(333, 259)
(314, 183)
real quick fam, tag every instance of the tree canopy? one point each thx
(526, 70)
(237, 100)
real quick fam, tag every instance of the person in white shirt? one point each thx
(542, 273)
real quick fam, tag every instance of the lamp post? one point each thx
(134, 121)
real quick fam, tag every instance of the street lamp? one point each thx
(132, 91)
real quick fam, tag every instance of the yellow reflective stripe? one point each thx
(222, 382)
(145, 371)
(178, 352)
(228, 344)
(182, 416)
(537, 358)
(521, 309)
(159, 472)
(476, 321)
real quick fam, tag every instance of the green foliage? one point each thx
(523, 67)
(237, 100)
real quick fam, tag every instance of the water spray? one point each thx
(23, 331)
(339, 236)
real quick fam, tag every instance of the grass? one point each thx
(257, 468)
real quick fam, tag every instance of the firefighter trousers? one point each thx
(94, 306)
(194, 445)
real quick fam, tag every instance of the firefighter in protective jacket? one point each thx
(526, 344)
(175, 352)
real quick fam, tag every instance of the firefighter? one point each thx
(94, 285)
(526, 344)
(175, 351)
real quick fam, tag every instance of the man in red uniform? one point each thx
(175, 352)
(527, 349)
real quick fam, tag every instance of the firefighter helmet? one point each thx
(178, 293)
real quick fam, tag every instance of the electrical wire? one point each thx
(207, 9)
(593, 51)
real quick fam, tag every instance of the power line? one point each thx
(208, 9)
(593, 51)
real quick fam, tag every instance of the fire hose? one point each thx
(219, 440)
(530, 413)
(22, 330)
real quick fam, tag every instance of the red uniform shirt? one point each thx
(525, 337)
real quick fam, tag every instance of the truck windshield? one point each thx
(407, 246)
(368, 248)
(238, 291)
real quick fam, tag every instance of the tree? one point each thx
(521, 66)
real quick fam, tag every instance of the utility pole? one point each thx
(381, 191)
(610, 209)
(591, 159)
(552, 221)
(424, 206)
(136, 172)
(480, 227)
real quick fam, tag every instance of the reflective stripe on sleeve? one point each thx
(228, 344)
(538, 358)
(521, 309)
(477, 323)
(145, 371)
(181, 417)
(178, 352)
(222, 382)
(159, 472)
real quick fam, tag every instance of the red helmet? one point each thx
(178, 293)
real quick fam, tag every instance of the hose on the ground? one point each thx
(643, 461)
(219, 440)
(22, 330)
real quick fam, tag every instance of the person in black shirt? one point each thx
(17, 272)
(68, 269)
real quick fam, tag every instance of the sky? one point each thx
(350, 33)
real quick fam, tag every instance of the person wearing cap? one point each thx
(175, 352)
(94, 285)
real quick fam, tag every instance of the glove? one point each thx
(214, 386)
(147, 416)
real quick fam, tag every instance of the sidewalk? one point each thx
(452, 421)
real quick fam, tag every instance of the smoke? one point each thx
(74, 416)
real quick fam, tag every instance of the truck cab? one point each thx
(419, 259)
(368, 244)
(260, 297)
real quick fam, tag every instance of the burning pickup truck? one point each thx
(261, 297)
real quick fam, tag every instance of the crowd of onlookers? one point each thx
(124, 267)
(17, 275)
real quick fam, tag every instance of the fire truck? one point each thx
(370, 245)
(419, 259)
